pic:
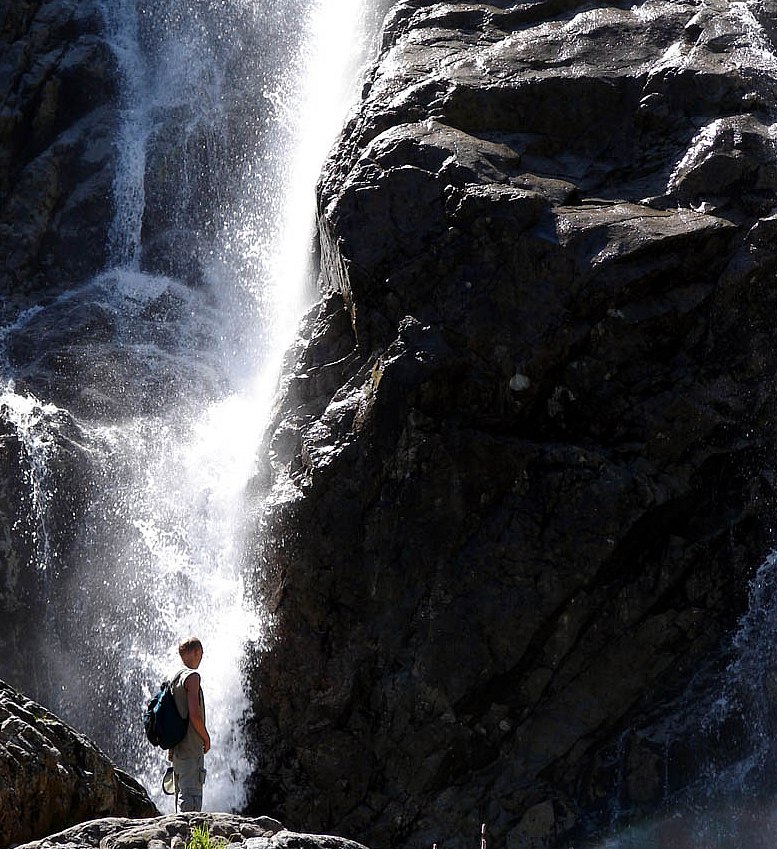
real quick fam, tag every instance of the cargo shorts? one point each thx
(189, 778)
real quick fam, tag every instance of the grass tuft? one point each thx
(201, 839)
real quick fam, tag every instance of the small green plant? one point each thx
(201, 839)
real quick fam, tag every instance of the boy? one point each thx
(188, 756)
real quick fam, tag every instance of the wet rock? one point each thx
(43, 451)
(58, 81)
(52, 777)
(111, 346)
(519, 476)
(87, 242)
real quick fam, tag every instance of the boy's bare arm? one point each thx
(192, 685)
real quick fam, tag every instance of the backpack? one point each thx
(164, 726)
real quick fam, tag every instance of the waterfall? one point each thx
(227, 110)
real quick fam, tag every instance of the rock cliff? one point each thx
(521, 469)
(52, 777)
(520, 472)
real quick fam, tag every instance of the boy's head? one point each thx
(191, 652)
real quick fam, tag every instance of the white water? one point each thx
(160, 544)
(730, 805)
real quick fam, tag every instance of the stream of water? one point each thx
(731, 804)
(228, 108)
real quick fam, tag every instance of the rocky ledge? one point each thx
(52, 777)
(522, 468)
(175, 831)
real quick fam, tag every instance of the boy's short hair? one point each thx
(188, 645)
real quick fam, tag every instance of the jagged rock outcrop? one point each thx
(521, 469)
(52, 777)
(175, 831)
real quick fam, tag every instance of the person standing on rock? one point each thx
(188, 756)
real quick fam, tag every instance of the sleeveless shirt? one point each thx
(191, 745)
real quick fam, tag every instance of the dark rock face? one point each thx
(41, 452)
(58, 82)
(51, 777)
(520, 474)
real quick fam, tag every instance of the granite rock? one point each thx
(52, 777)
(520, 471)
(175, 832)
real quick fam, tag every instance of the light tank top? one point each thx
(191, 745)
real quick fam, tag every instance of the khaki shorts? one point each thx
(189, 777)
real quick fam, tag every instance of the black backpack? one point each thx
(164, 726)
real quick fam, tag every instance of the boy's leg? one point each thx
(189, 774)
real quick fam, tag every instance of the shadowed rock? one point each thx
(58, 81)
(520, 472)
(52, 777)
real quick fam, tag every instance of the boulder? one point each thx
(175, 832)
(170, 831)
(520, 471)
(52, 777)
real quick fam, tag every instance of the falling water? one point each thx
(731, 804)
(241, 100)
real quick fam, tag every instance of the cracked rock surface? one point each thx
(52, 777)
(175, 831)
(521, 470)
